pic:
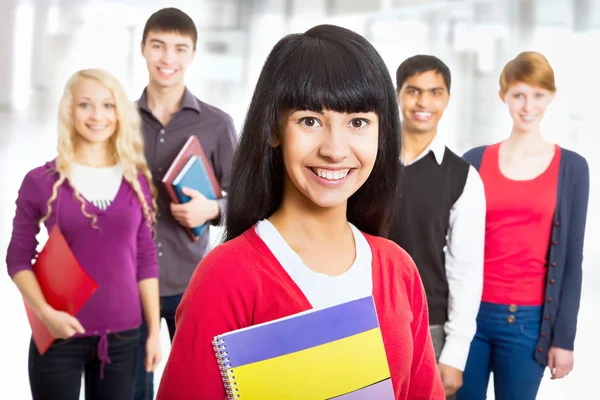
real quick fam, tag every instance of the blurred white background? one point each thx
(42, 42)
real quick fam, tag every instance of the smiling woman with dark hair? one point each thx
(313, 182)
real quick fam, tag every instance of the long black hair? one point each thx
(327, 67)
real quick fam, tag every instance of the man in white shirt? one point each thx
(439, 215)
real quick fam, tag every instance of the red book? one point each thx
(191, 148)
(65, 285)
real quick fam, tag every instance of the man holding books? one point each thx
(439, 216)
(170, 115)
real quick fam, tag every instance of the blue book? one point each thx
(193, 175)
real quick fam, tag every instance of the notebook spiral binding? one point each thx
(227, 375)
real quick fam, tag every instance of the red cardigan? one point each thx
(241, 283)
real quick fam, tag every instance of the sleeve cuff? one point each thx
(455, 352)
(562, 341)
(222, 202)
(13, 270)
(148, 274)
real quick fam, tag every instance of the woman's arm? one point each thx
(147, 275)
(219, 299)
(26, 225)
(560, 356)
(151, 306)
(21, 251)
(60, 324)
(566, 318)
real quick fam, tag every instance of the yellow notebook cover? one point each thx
(331, 353)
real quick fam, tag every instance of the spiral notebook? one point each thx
(331, 353)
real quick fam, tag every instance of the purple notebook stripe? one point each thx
(303, 332)
(381, 391)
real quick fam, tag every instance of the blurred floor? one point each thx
(28, 139)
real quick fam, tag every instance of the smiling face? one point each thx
(167, 54)
(94, 111)
(527, 105)
(423, 99)
(327, 155)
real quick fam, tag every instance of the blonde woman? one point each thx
(98, 192)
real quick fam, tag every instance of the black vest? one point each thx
(421, 219)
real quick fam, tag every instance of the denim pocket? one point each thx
(62, 342)
(530, 330)
(132, 334)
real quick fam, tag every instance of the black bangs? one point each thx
(322, 74)
(327, 67)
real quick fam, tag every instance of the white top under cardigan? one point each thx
(323, 290)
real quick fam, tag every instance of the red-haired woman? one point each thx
(537, 197)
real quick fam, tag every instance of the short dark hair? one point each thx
(327, 67)
(419, 64)
(171, 20)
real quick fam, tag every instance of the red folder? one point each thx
(191, 148)
(65, 285)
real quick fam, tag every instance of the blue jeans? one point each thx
(57, 373)
(144, 386)
(504, 344)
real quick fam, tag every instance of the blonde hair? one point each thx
(126, 143)
(529, 67)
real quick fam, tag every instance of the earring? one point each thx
(273, 141)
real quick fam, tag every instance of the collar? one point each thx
(437, 147)
(189, 101)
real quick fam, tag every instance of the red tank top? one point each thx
(517, 232)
